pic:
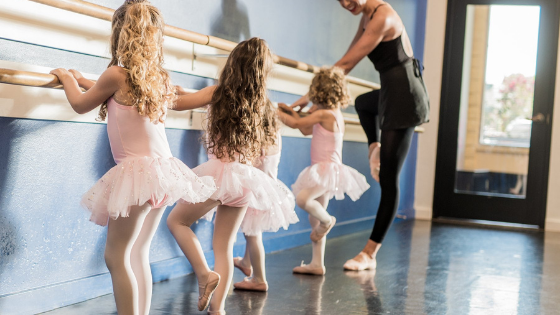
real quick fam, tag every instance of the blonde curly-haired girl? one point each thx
(131, 197)
(327, 177)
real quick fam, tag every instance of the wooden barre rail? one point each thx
(104, 13)
(36, 79)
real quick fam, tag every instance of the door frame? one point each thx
(447, 203)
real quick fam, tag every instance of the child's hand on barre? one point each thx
(77, 75)
(180, 91)
(62, 74)
(84, 83)
(287, 109)
(312, 109)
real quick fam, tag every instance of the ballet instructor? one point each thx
(388, 115)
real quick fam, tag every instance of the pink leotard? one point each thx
(327, 145)
(327, 170)
(132, 135)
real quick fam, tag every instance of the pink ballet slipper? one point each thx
(365, 262)
(250, 284)
(207, 290)
(220, 312)
(316, 235)
(237, 264)
(308, 270)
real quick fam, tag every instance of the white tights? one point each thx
(315, 202)
(227, 222)
(127, 258)
(255, 257)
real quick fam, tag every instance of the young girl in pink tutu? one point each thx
(327, 177)
(132, 196)
(253, 262)
(234, 138)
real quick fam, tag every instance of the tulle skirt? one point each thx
(270, 203)
(135, 181)
(337, 179)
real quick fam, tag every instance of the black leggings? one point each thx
(394, 149)
(367, 106)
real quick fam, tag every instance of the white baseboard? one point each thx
(423, 213)
(552, 225)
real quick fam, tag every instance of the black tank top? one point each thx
(388, 54)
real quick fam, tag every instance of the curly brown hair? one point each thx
(329, 88)
(235, 118)
(270, 125)
(137, 46)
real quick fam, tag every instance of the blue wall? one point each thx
(51, 255)
(317, 32)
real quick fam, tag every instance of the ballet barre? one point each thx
(104, 13)
(36, 79)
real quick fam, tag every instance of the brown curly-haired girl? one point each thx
(327, 177)
(131, 197)
(237, 132)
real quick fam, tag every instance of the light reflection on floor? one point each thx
(423, 268)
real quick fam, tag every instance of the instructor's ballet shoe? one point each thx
(246, 271)
(206, 290)
(250, 284)
(319, 232)
(361, 262)
(221, 312)
(308, 270)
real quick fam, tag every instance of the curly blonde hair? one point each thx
(236, 116)
(329, 88)
(137, 46)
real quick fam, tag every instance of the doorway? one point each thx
(496, 108)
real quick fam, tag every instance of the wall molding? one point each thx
(423, 213)
(71, 292)
(552, 225)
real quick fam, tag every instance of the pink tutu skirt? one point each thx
(258, 221)
(270, 203)
(135, 181)
(337, 179)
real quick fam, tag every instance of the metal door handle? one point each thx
(539, 118)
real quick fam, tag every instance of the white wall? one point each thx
(433, 61)
(425, 179)
(552, 222)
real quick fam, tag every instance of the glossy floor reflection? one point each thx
(423, 268)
